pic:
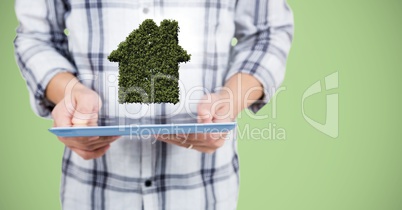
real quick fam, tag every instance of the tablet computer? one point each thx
(139, 130)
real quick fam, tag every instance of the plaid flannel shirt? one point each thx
(138, 172)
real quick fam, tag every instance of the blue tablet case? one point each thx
(138, 130)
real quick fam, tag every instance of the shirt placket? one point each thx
(149, 201)
(147, 11)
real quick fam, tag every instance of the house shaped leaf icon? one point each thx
(149, 63)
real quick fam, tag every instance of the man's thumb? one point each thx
(205, 114)
(85, 114)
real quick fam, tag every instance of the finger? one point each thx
(186, 145)
(218, 136)
(109, 139)
(205, 137)
(204, 112)
(93, 138)
(172, 139)
(61, 116)
(79, 139)
(85, 143)
(167, 140)
(208, 109)
(81, 119)
(223, 114)
(93, 147)
(87, 155)
(183, 138)
(200, 148)
(89, 138)
(86, 111)
(175, 137)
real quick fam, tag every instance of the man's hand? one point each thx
(80, 107)
(240, 91)
(213, 108)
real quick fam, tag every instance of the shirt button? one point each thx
(145, 10)
(148, 183)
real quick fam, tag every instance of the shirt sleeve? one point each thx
(264, 30)
(41, 48)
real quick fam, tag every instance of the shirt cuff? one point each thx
(39, 103)
(270, 79)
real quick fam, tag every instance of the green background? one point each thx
(361, 169)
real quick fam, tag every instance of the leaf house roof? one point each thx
(151, 40)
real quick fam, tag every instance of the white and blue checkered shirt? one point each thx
(140, 173)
